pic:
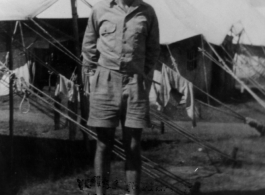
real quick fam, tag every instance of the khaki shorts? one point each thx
(117, 97)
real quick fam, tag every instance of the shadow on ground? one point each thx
(38, 159)
(258, 192)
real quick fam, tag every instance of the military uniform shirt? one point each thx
(126, 42)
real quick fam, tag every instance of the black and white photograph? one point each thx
(132, 97)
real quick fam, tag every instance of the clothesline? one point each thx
(213, 98)
(58, 73)
(55, 29)
(173, 70)
(44, 64)
(35, 56)
(251, 122)
(205, 92)
(73, 56)
(69, 54)
(177, 127)
(55, 39)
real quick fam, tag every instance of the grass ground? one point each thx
(45, 162)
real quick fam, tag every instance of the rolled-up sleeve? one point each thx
(89, 46)
(152, 43)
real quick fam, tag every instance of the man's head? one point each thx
(125, 2)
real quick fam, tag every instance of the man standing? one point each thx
(120, 47)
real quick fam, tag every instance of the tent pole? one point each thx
(83, 98)
(204, 70)
(23, 42)
(75, 28)
(74, 106)
(11, 96)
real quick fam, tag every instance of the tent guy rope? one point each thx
(208, 95)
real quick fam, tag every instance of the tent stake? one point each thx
(162, 127)
(195, 190)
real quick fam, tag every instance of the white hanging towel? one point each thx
(4, 85)
(22, 72)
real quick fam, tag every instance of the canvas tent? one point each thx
(171, 29)
(62, 10)
(182, 19)
(214, 19)
(178, 20)
(43, 10)
(239, 16)
(250, 58)
(196, 20)
(11, 10)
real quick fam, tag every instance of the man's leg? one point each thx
(103, 157)
(132, 146)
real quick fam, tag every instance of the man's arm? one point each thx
(152, 43)
(89, 47)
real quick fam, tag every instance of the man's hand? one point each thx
(88, 75)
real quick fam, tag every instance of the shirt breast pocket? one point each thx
(108, 35)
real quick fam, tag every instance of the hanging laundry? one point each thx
(4, 85)
(22, 72)
(165, 91)
(155, 88)
(67, 88)
(86, 83)
(173, 84)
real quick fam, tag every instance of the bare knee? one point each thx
(132, 140)
(102, 147)
(134, 148)
(105, 139)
